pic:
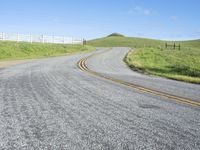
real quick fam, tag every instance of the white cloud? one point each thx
(174, 18)
(138, 10)
(147, 12)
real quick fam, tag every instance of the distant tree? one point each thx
(116, 34)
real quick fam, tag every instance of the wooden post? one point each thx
(179, 46)
(84, 42)
(174, 45)
(165, 45)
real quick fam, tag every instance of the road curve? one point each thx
(52, 104)
(110, 63)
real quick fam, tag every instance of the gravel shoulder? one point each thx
(4, 64)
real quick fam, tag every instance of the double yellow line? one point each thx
(82, 65)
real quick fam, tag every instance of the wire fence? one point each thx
(40, 38)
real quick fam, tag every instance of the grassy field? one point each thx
(152, 57)
(21, 50)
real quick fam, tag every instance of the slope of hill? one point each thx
(21, 50)
(191, 43)
(120, 41)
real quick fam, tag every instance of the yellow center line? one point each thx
(81, 64)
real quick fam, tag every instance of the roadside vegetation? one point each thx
(22, 50)
(151, 56)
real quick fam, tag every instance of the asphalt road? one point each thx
(52, 104)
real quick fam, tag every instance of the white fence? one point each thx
(40, 38)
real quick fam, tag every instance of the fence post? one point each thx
(17, 37)
(42, 38)
(4, 37)
(174, 45)
(179, 46)
(165, 45)
(84, 42)
(72, 40)
(31, 40)
(53, 38)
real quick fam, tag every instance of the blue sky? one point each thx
(169, 19)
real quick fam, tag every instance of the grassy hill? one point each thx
(191, 43)
(120, 41)
(22, 50)
(152, 57)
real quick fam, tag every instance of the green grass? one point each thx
(152, 57)
(22, 50)
(175, 64)
(117, 41)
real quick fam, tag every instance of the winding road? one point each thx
(94, 101)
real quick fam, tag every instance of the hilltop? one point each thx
(122, 41)
(119, 40)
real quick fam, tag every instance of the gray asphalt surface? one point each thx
(51, 104)
(118, 69)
